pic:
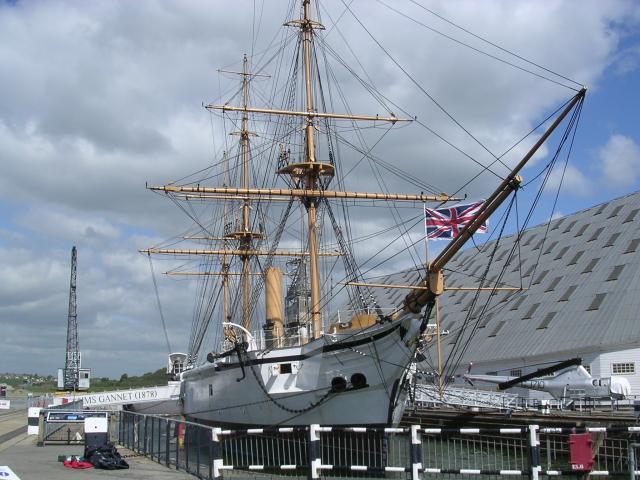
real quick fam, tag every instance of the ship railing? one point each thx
(426, 395)
(413, 451)
(299, 334)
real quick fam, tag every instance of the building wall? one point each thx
(605, 362)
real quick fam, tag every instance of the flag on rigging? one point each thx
(447, 223)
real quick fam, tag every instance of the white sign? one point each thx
(5, 404)
(138, 395)
(7, 474)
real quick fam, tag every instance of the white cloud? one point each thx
(620, 161)
(571, 180)
(101, 97)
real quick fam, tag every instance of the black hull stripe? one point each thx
(327, 348)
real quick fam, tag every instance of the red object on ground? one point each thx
(580, 452)
(77, 464)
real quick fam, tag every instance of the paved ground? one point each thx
(30, 462)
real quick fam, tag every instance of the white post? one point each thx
(416, 452)
(314, 451)
(216, 453)
(534, 451)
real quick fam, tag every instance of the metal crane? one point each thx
(72, 360)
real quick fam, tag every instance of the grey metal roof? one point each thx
(582, 286)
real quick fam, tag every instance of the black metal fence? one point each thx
(358, 452)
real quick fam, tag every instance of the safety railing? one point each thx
(411, 452)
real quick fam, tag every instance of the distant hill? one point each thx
(38, 384)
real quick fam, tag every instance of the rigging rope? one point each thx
(155, 287)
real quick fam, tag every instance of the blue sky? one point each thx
(101, 97)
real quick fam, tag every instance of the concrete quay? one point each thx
(30, 462)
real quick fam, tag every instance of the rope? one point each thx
(155, 287)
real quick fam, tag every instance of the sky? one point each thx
(100, 98)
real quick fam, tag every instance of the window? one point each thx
(589, 267)
(502, 254)
(546, 320)
(459, 301)
(529, 270)
(529, 240)
(569, 227)
(518, 302)
(485, 320)
(551, 247)
(540, 277)
(597, 301)
(587, 368)
(615, 273)
(596, 234)
(210, 390)
(565, 297)
(531, 311)
(622, 368)
(497, 329)
(633, 245)
(612, 240)
(631, 216)
(539, 244)
(615, 211)
(554, 283)
(581, 230)
(575, 258)
(468, 305)
(557, 224)
(516, 372)
(561, 253)
(285, 368)
(600, 209)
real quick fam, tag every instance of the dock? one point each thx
(21, 454)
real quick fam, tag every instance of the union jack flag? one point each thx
(447, 223)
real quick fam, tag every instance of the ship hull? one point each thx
(302, 386)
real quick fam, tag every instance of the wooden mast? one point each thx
(311, 180)
(225, 260)
(246, 235)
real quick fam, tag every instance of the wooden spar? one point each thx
(209, 274)
(309, 114)
(305, 193)
(281, 253)
(414, 287)
(416, 300)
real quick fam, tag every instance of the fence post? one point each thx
(416, 452)
(216, 453)
(314, 451)
(41, 427)
(534, 451)
(167, 446)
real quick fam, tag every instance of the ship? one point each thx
(296, 362)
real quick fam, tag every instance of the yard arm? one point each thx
(417, 299)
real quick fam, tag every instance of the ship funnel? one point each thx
(273, 300)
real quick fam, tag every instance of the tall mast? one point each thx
(225, 259)
(245, 240)
(311, 179)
